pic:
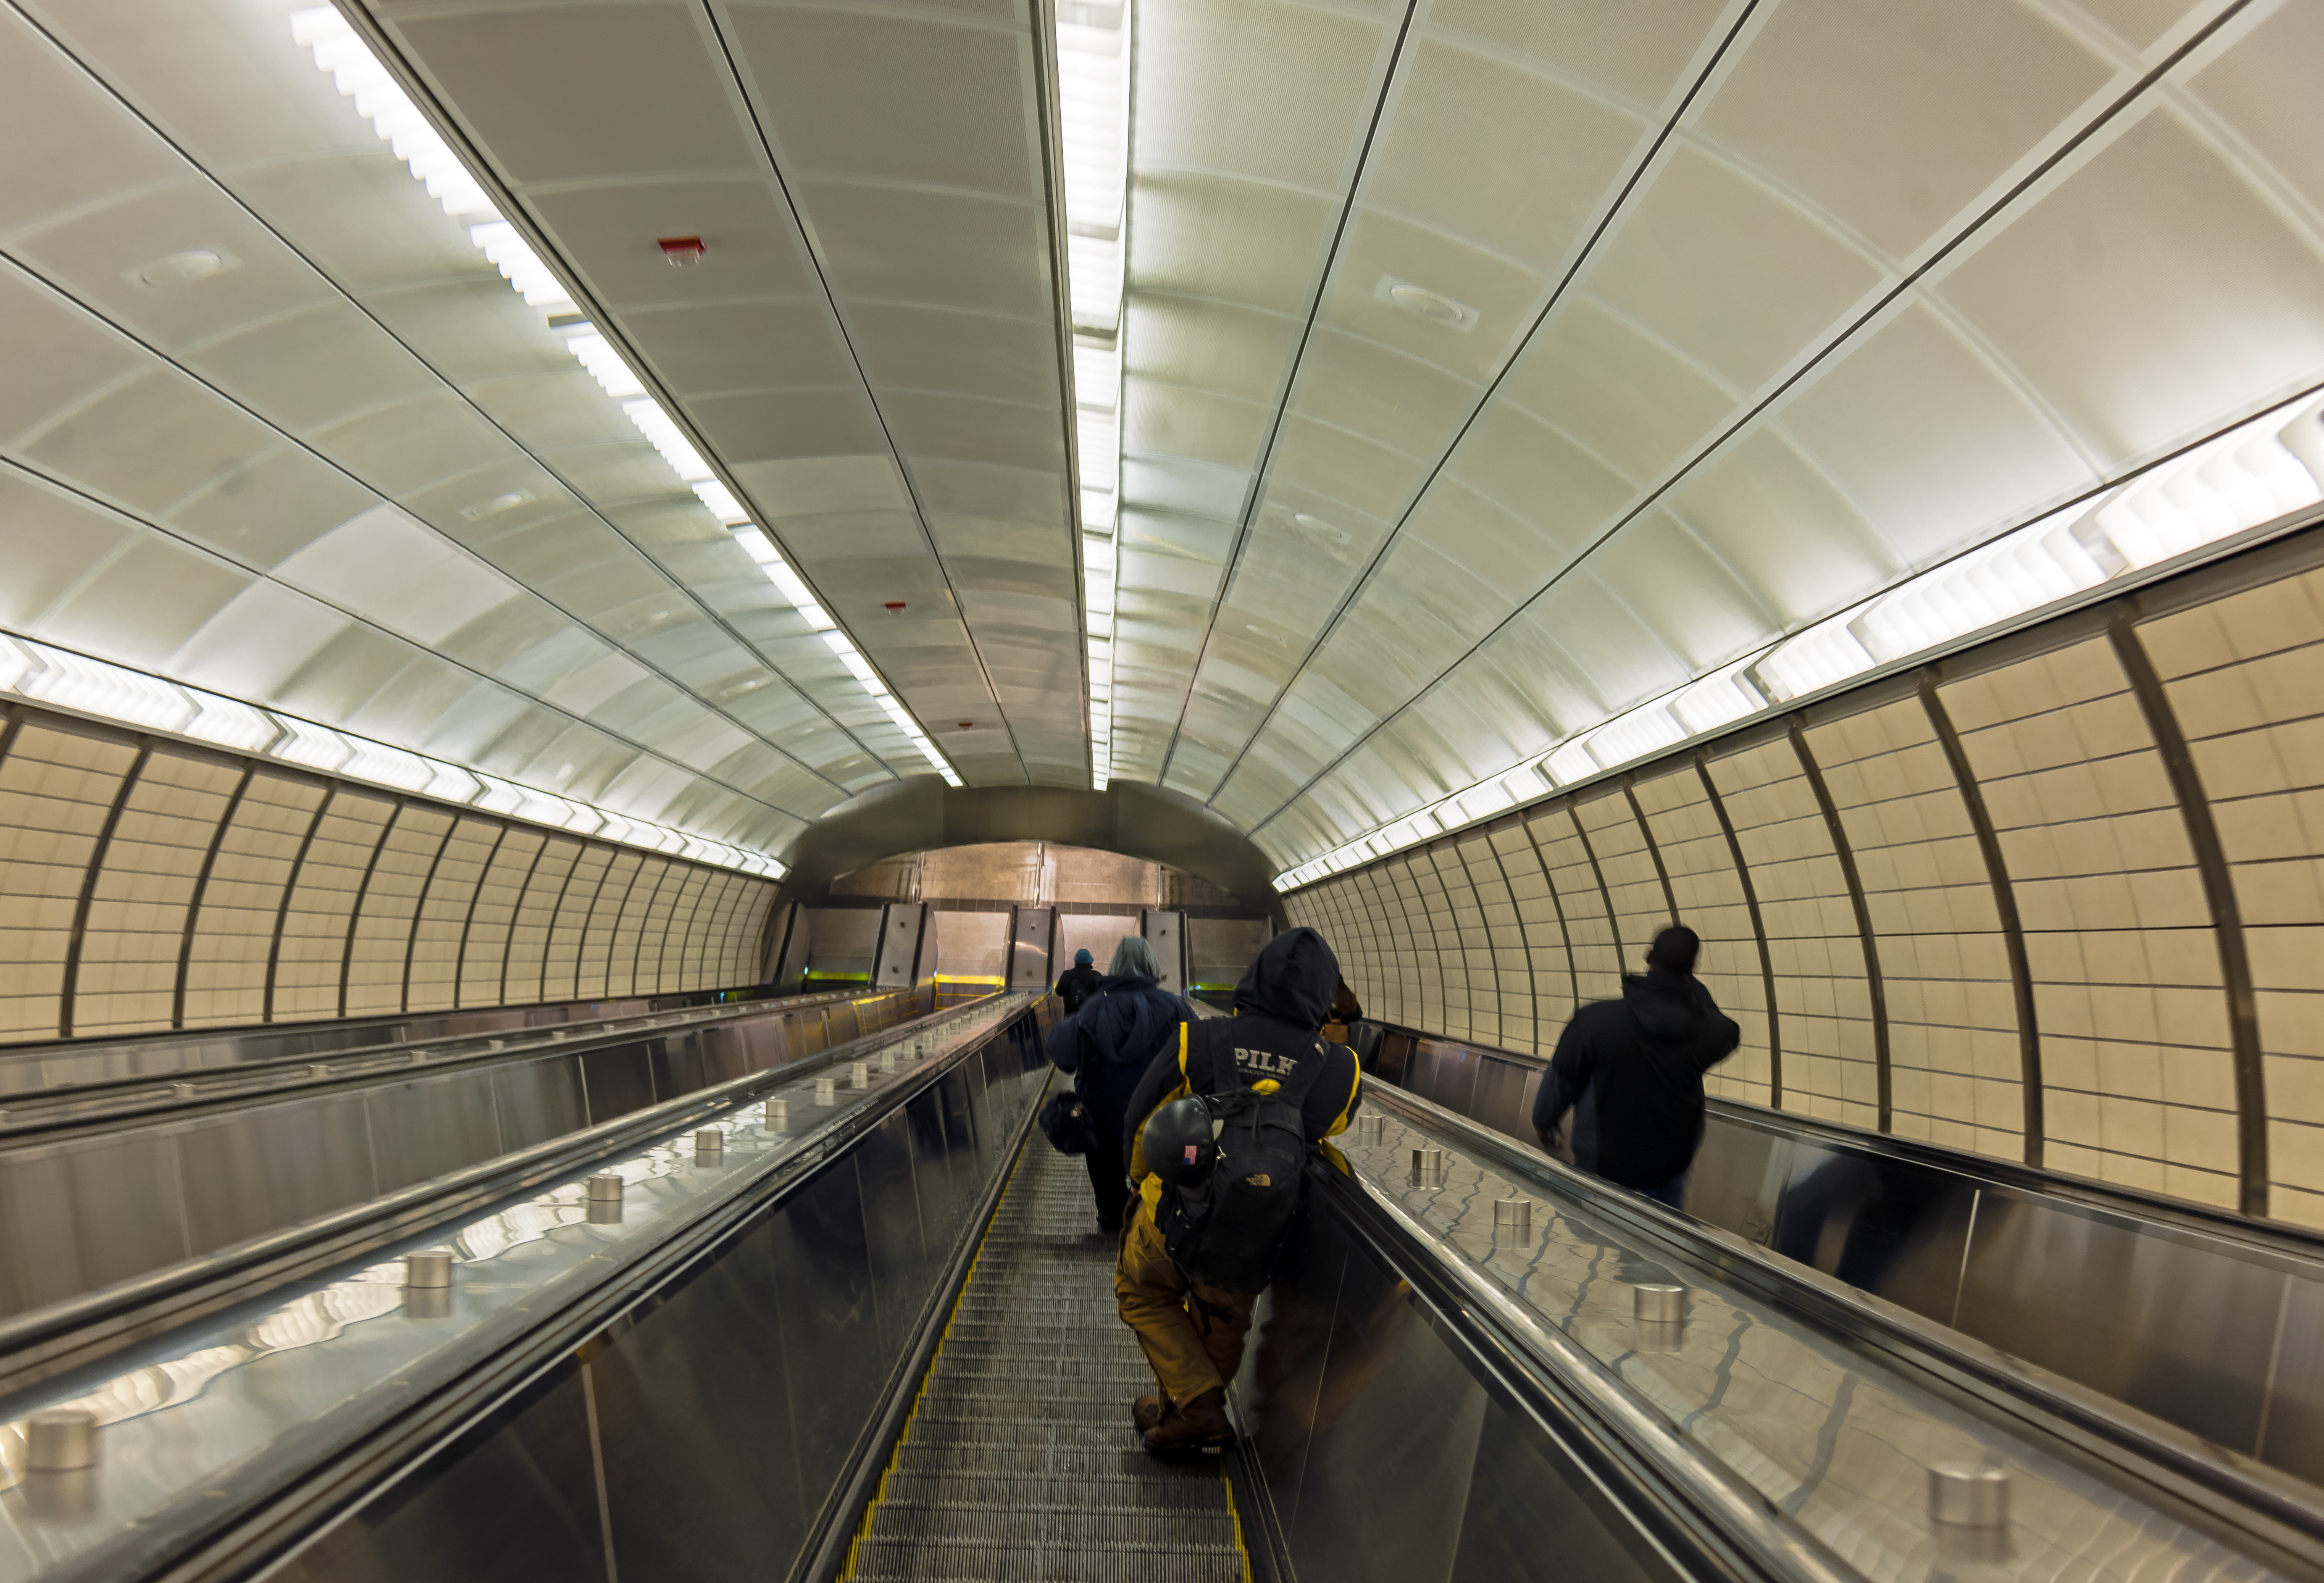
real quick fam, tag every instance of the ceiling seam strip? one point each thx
(2065, 151)
(855, 361)
(513, 213)
(1557, 295)
(29, 470)
(216, 183)
(13, 464)
(1048, 77)
(1282, 403)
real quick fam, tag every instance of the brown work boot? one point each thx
(1147, 1412)
(1198, 1425)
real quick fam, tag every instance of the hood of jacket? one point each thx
(1292, 978)
(1670, 1009)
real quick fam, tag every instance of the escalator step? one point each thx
(1019, 1462)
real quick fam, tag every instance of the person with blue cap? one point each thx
(1078, 982)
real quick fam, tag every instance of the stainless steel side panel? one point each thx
(2174, 1330)
(538, 1100)
(1882, 1225)
(827, 1308)
(617, 1081)
(425, 1128)
(515, 1498)
(891, 1228)
(251, 1172)
(1385, 1457)
(2292, 1438)
(74, 1216)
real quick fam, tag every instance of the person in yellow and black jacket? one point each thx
(1253, 1095)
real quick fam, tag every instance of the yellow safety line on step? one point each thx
(904, 1435)
(1235, 1511)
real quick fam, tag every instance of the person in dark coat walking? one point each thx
(1078, 982)
(1108, 1046)
(1638, 1062)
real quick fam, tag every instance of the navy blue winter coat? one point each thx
(1111, 1041)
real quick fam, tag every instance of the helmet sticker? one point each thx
(1192, 1152)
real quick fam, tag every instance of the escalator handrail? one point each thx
(31, 1115)
(2259, 1503)
(307, 1478)
(41, 1343)
(2163, 1215)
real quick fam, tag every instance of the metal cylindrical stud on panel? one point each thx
(1371, 1129)
(859, 1074)
(1658, 1304)
(826, 1091)
(1968, 1495)
(59, 1439)
(1427, 1165)
(605, 1198)
(778, 1115)
(887, 1060)
(428, 1267)
(709, 1146)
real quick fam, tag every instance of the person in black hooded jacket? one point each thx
(1191, 1333)
(1640, 1061)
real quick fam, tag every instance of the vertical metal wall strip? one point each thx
(557, 911)
(362, 894)
(1467, 961)
(638, 951)
(2227, 911)
(1525, 935)
(1557, 905)
(1875, 987)
(468, 919)
(516, 913)
(1759, 930)
(672, 927)
(1613, 924)
(419, 910)
(289, 889)
(1654, 847)
(2004, 906)
(68, 990)
(1412, 940)
(201, 889)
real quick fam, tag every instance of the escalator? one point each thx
(848, 1318)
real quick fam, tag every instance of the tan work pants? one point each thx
(1192, 1334)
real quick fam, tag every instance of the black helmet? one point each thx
(1182, 1142)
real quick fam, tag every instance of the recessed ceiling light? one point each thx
(1432, 306)
(1316, 525)
(497, 504)
(179, 269)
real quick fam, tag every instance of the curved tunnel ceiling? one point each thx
(1487, 368)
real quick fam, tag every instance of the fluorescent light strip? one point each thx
(2253, 473)
(1093, 72)
(76, 682)
(341, 51)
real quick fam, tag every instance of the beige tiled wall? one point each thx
(2245, 678)
(249, 879)
(1588, 935)
(1952, 1017)
(1711, 902)
(2137, 1074)
(1483, 934)
(1821, 997)
(137, 928)
(222, 877)
(561, 968)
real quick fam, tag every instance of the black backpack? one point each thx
(1226, 1231)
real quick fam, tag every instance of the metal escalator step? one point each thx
(1019, 1463)
(927, 1561)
